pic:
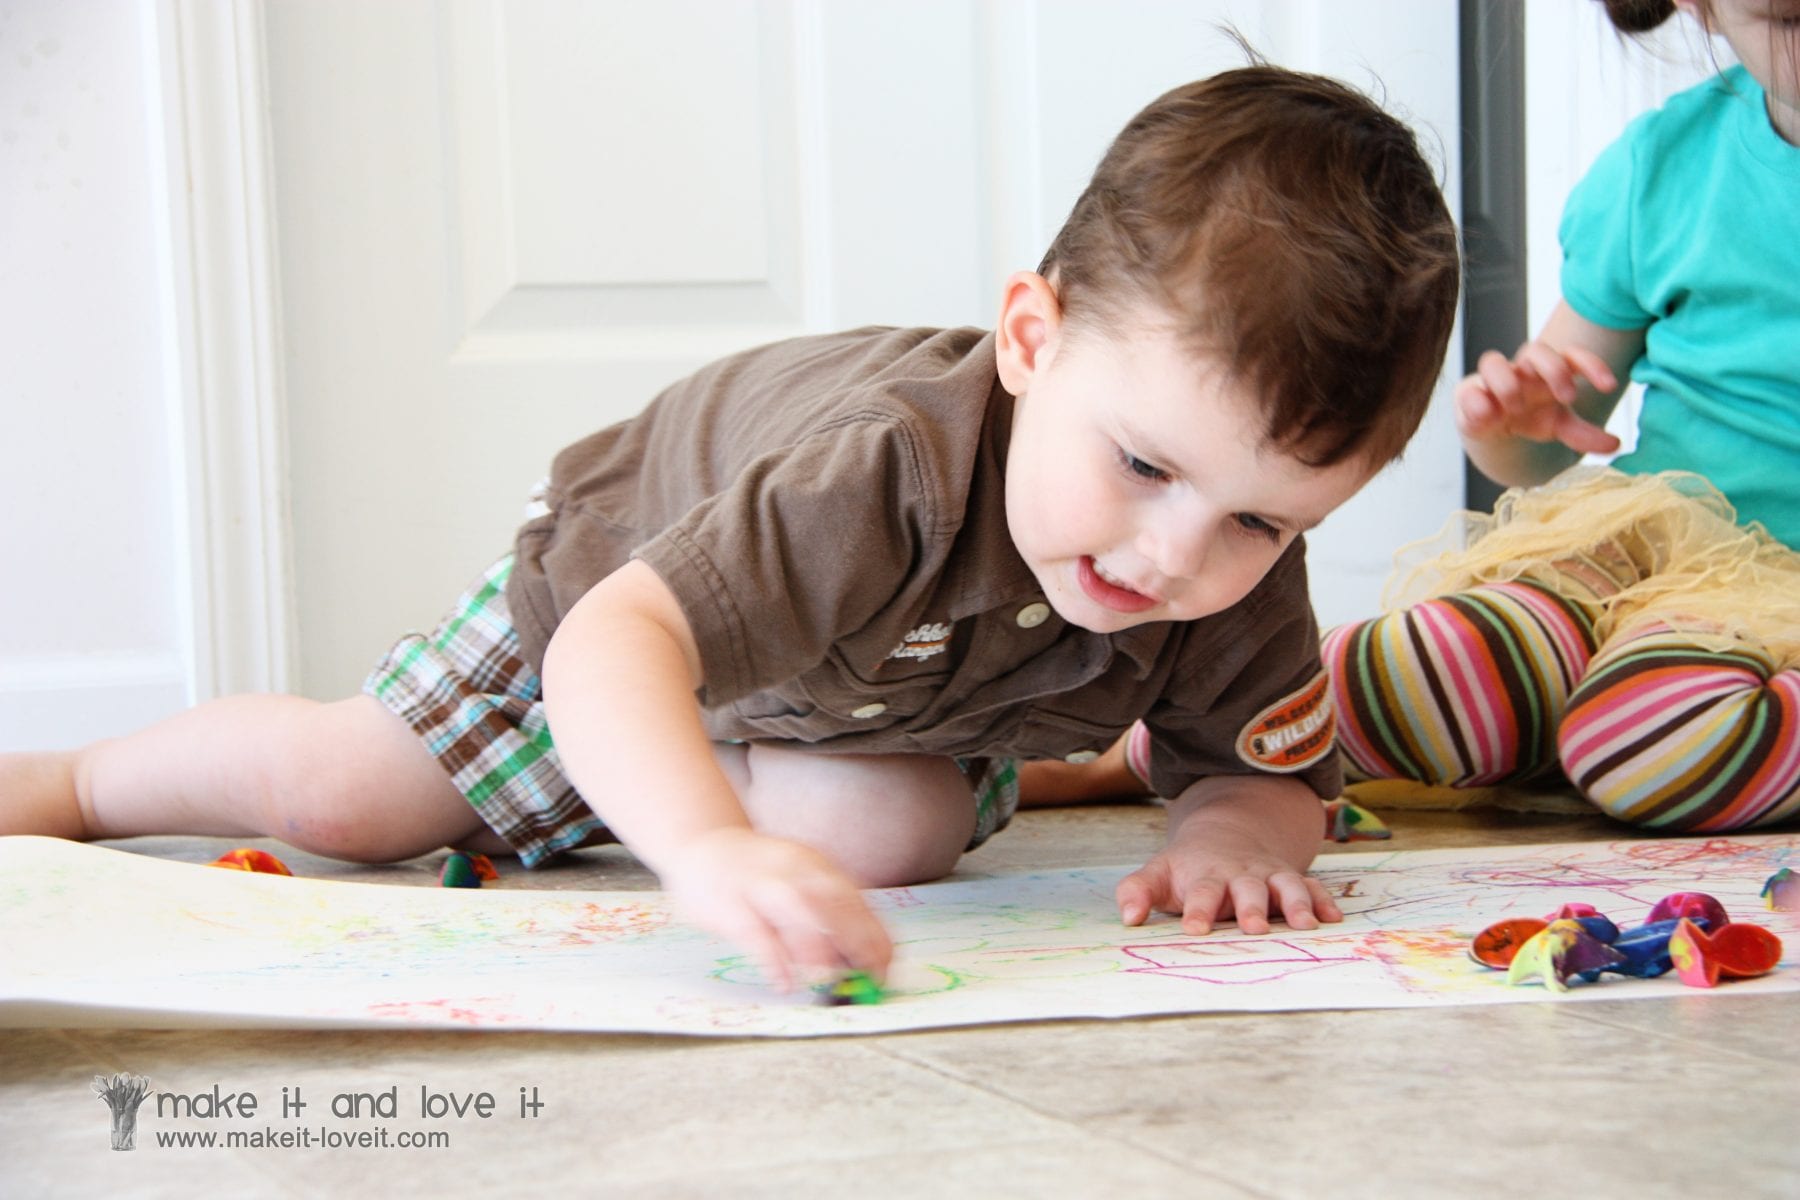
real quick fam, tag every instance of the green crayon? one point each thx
(852, 987)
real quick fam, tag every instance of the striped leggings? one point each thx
(1504, 683)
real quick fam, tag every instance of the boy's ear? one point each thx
(1030, 319)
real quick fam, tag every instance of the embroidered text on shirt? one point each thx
(924, 641)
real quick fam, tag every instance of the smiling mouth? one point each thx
(1109, 592)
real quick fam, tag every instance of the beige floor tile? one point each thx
(1075, 1165)
(1760, 1029)
(750, 1107)
(1080, 836)
(55, 1137)
(1465, 1101)
(619, 1112)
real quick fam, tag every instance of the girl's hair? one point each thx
(1287, 227)
(1638, 16)
(1635, 17)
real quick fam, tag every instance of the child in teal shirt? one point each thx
(1633, 626)
(1685, 229)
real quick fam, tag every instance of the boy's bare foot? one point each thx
(1047, 782)
(37, 795)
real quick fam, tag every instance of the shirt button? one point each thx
(1033, 615)
(869, 710)
(1081, 756)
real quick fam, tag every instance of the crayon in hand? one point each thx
(852, 987)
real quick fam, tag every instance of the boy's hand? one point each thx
(1241, 850)
(1207, 885)
(1532, 395)
(795, 913)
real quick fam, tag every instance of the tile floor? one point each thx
(1693, 1097)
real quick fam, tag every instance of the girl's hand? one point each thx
(1532, 395)
(783, 903)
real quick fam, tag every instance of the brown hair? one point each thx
(1288, 225)
(1638, 16)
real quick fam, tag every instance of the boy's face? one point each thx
(1138, 487)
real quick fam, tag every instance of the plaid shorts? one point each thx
(478, 708)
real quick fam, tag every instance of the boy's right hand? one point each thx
(795, 913)
(1532, 396)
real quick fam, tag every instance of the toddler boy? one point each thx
(785, 633)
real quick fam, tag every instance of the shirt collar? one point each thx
(987, 572)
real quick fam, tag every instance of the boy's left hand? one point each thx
(1241, 851)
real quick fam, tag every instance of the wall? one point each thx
(92, 626)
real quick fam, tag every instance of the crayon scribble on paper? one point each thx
(103, 935)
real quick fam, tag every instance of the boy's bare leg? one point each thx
(346, 780)
(1047, 782)
(886, 820)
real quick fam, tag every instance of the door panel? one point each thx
(504, 225)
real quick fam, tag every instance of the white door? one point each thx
(504, 225)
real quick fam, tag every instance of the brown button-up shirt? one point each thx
(830, 513)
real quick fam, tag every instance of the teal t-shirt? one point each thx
(1688, 227)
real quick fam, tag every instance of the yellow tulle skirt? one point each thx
(1641, 552)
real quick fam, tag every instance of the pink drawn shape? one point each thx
(1230, 963)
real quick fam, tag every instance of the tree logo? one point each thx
(123, 1093)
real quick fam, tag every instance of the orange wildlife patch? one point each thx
(1294, 732)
